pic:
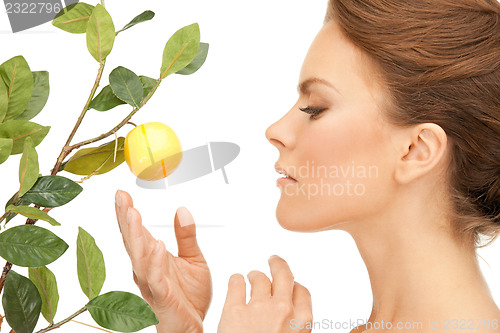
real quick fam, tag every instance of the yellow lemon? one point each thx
(152, 151)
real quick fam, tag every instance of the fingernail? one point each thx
(273, 257)
(129, 215)
(184, 216)
(118, 198)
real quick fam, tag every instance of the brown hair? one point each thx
(440, 60)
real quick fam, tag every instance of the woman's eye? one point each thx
(314, 112)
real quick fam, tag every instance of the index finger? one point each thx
(123, 201)
(283, 280)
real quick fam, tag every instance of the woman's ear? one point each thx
(425, 146)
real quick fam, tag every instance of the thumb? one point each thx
(185, 233)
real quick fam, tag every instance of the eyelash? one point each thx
(314, 112)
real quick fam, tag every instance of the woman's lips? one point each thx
(283, 181)
(287, 180)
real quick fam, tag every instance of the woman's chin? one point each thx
(292, 219)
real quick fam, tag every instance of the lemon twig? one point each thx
(62, 322)
(65, 151)
(122, 123)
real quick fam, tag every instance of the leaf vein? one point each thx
(86, 265)
(77, 19)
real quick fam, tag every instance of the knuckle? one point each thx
(258, 303)
(285, 274)
(284, 308)
(236, 311)
(306, 317)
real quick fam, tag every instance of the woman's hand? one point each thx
(179, 289)
(280, 306)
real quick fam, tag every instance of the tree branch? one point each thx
(121, 124)
(65, 151)
(5, 271)
(62, 322)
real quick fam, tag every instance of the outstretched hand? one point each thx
(280, 306)
(178, 288)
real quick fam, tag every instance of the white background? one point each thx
(247, 83)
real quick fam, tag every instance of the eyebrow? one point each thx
(303, 87)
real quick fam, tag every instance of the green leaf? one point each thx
(45, 281)
(126, 85)
(106, 100)
(32, 213)
(30, 246)
(100, 33)
(21, 302)
(19, 202)
(147, 84)
(28, 167)
(4, 101)
(197, 62)
(39, 97)
(88, 160)
(144, 16)
(74, 19)
(19, 130)
(16, 75)
(180, 49)
(90, 264)
(121, 311)
(52, 191)
(5, 149)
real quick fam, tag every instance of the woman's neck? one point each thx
(417, 269)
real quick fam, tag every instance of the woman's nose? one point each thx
(280, 134)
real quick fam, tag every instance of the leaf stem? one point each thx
(62, 322)
(3, 216)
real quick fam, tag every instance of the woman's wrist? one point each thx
(167, 328)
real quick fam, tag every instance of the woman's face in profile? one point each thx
(341, 158)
